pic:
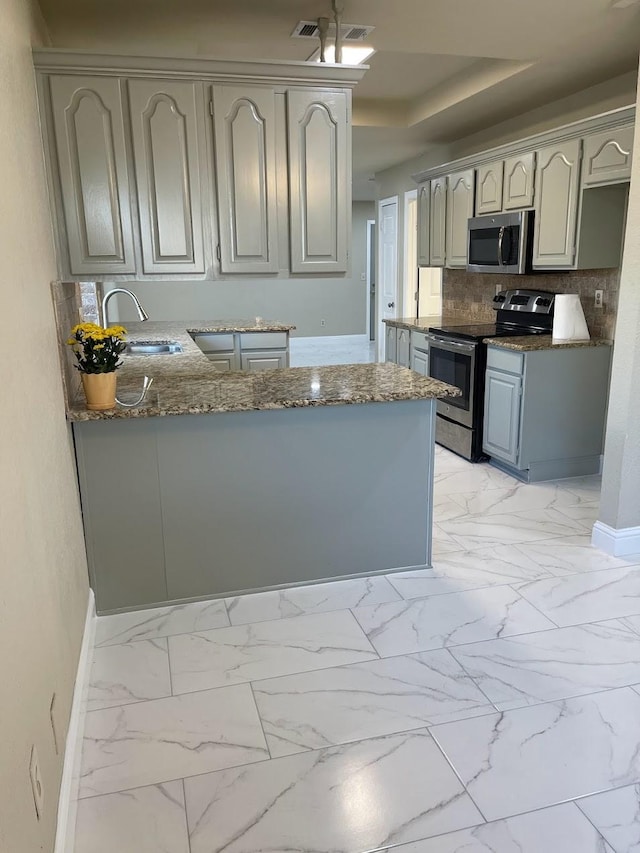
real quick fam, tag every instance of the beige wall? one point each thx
(305, 302)
(620, 501)
(43, 580)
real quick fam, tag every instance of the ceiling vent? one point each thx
(350, 32)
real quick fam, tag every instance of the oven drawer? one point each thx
(504, 359)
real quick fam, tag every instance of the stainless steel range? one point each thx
(457, 355)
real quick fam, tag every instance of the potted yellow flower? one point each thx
(98, 352)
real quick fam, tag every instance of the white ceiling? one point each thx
(443, 69)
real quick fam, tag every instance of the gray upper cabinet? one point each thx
(489, 188)
(424, 198)
(519, 172)
(90, 146)
(460, 198)
(438, 223)
(245, 160)
(557, 184)
(319, 180)
(164, 122)
(607, 157)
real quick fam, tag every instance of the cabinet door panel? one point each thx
(557, 183)
(165, 140)
(489, 188)
(319, 180)
(460, 198)
(438, 222)
(607, 157)
(420, 362)
(502, 415)
(89, 135)
(391, 337)
(402, 348)
(423, 225)
(244, 129)
(518, 181)
(267, 360)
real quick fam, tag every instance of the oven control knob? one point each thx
(543, 301)
(499, 298)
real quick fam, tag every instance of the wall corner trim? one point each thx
(618, 543)
(68, 799)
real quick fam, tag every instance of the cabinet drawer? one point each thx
(215, 343)
(267, 360)
(263, 340)
(419, 341)
(507, 360)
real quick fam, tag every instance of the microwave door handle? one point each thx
(500, 241)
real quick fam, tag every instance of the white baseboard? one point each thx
(68, 800)
(619, 543)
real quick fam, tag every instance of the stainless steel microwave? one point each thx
(500, 243)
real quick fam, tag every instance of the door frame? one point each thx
(380, 338)
(370, 332)
(410, 310)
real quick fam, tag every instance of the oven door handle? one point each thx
(443, 343)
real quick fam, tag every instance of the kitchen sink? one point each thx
(152, 348)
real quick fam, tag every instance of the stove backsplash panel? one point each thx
(468, 296)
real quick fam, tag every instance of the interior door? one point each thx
(387, 266)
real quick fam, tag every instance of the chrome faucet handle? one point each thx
(146, 384)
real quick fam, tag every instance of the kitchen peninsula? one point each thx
(219, 483)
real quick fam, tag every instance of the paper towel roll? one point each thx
(568, 319)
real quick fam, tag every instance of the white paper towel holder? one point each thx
(569, 323)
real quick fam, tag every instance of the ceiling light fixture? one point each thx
(351, 54)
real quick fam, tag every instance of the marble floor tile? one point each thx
(558, 829)
(519, 671)
(469, 478)
(584, 513)
(163, 739)
(478, 530)
(442, 543)
(520, 497)
(131, 672)
(570, 555)
(143, 820)
(616, 814)
(447, 620)
(351, 798)
(522, 760)
(590, 597)
(160, 622)
(266, 650)
(363, 700)
(463, 570)
(318, 598)
(445, 508)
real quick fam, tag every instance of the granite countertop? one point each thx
(533, 343)
(187, 383)
(421, 324)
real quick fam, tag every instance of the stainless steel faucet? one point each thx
(142, 314)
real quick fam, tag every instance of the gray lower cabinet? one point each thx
(192, 506)
(545, 410)
(502, 415)
(245, 350)
(390, 343)
(403, 346)
(419, 353)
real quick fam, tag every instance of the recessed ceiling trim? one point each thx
(350, 32)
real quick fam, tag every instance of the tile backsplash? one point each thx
(469, 295)
(73, 302)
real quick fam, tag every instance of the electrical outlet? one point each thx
(323, 322)
(363, 276)
(599, 299)
(36, 782)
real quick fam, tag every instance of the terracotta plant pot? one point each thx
(100, 390)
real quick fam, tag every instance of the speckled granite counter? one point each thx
(187, 383)
(533, 343)
(421, 324)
